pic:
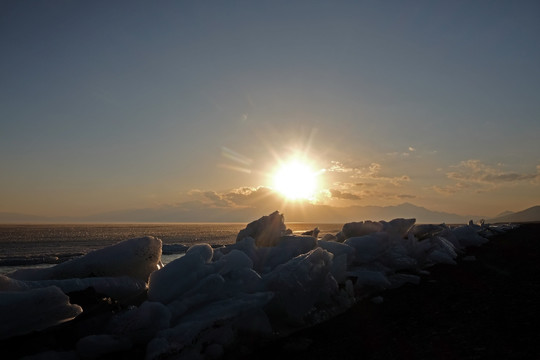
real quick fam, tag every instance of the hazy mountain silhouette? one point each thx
(505, 213)
(294, 212)
(530, 214)
(9, 217)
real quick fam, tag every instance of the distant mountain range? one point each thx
(527, 215)
(292, 212)
(8, 217)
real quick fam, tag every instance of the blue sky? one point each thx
(110, 105)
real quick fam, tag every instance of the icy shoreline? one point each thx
(267, 284)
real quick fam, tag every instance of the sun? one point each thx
(296, 180)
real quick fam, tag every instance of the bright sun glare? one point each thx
(296, 180)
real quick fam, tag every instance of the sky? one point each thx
(115, 105)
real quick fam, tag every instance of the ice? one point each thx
(343, 258)
(206, 290)
(338, 249)
(199, 327)
(468, 236)
(266, 231)
(424, 231)
(116, 287)
(136, 258)
(399, 227)
(231, 262)
(25, 311)
(433, 250)
(286, 248)
(355, 229)
(370, 278)
(300, 282)
(198, 306)
(369, 247)
(142, 323)
(237, 270)
(246, 245)
(168, 283)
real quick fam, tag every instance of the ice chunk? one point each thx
(37, 309)
(116, 287)
(440, 257)
(141, 324)
(300, 282)
(399, 227)
(232, 261)
(398, 256)
(135, 257)
(286, 248)
(343, 257)
(337, 249)
(204, 291)
(247, 246)
(180, 275)
(398, 260)
(339, 268)
(468, 236)
(424, 231)
(369, 247)
(356, 229)
(373, 279)
(237, 270)
(315, 232)
(330, 237)
(201, 324)
(266, 231)
(434, 250)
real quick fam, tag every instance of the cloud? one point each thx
(339, 167)
(450, 189)
(402, 154)
(248, 196)
(479, 177)
(372, 172)
(405, 196)
(365, 184)
(337, 194)
(210, 198)
(476, 172)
